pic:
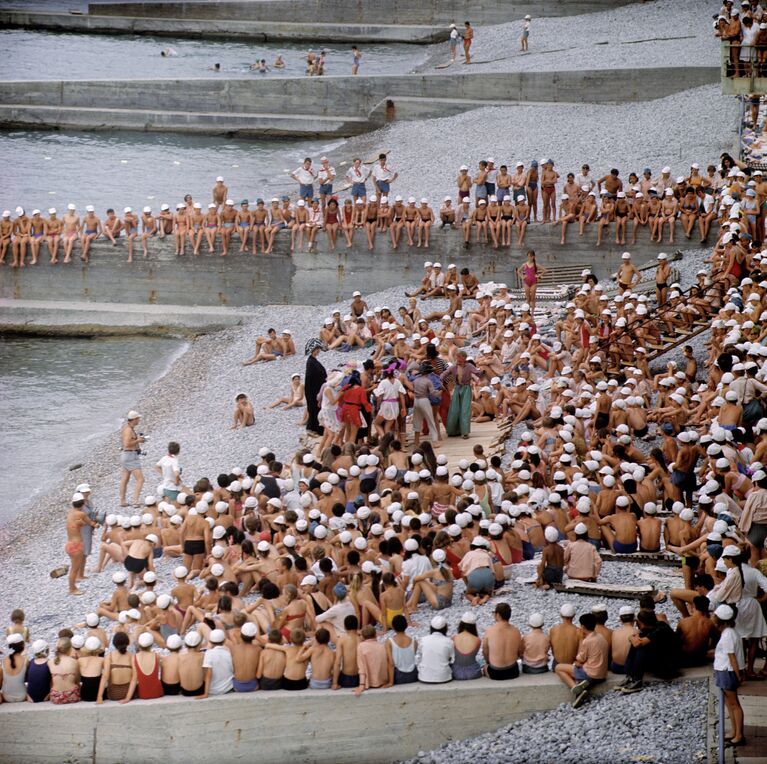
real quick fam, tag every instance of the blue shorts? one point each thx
(582, 676)
(481, 580)
(619, 548)
(250, 686)
(306, 191)
(617, 668)
(502, 194)
(726, 680)
(326, 188)
(383, 186)
(168, 494)
(490, 188)
(358, 189)
(518, 193)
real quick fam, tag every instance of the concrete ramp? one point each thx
(316, 106)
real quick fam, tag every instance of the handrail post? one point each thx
(720, 736)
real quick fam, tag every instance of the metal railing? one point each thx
(652, 318)
(743, 61)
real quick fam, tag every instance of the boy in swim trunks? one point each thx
(501, 646)
(321, 659)
(245, 658)
(37, 233)
(53, 228)
(244, 219)
(140, 557)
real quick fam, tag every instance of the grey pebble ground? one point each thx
(663, 723)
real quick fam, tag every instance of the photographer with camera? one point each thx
(130, 462)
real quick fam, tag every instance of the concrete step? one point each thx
(256, 31)
(209, 123)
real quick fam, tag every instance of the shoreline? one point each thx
(90, 446)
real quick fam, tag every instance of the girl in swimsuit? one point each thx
(530, 274)
(688, 213)
(522, 212)
(65, 675)
(331, 222)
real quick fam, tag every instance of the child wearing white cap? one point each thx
(729, 669)
(551, 566)
(535, 647)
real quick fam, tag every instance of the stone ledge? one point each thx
(309, 726)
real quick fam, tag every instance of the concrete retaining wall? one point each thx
(360, 11)
(255, 31)
(95, 319)
(314, 106)
(302, 278)
(306, 727)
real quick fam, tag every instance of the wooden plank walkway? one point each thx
(595, 589)
(753, 698)
(663, 560)
(485, 434)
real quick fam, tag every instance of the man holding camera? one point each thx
(130, 461)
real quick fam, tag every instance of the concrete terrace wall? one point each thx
(256, 31)
(304, 727)
(301, 278)
(360, 11)
(338, 106)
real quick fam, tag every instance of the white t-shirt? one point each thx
(219, 659)
(436, 654)
(382, 173)
(355, 174)
(728, 643)
(454, 36)
(415, 566)
(323, 174)
(305, 177)
(170, 468)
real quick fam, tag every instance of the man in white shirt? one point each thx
(305, 176)
(436, 654)
(217, 666)
(383, 175)
(170, 470)
(585, 179)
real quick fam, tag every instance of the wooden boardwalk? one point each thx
(486, 434)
